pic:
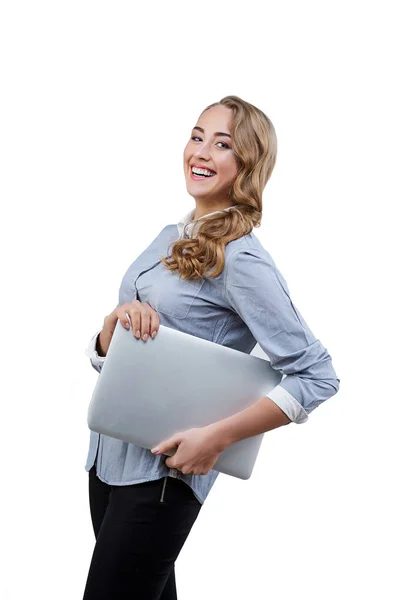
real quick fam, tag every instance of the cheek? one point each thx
(228, 169)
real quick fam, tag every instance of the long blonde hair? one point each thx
(254, 144)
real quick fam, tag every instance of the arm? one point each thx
(262, 416)
(258, 293)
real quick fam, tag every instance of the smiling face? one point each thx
(209, 149)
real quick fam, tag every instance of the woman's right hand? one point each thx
(144, 319)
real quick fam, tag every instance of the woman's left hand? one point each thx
(197, 450)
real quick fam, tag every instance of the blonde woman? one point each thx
(209, 276)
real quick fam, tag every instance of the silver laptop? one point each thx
(148, 391)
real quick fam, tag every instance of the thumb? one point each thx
(167, 445)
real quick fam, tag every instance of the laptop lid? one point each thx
(148, 391)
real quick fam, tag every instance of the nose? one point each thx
(202, 152)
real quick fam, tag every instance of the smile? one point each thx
(201, 174)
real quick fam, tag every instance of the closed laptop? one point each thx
(149, 391)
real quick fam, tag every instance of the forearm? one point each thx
(260, 417)
(100, 345)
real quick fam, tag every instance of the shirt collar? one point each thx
(186, 225)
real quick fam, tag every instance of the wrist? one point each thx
(220, 434)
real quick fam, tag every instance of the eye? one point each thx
(196, 137)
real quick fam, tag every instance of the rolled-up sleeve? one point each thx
(96, 360)
(259, 294)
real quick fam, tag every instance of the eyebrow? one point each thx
(216, 132)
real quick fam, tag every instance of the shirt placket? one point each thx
(141, 273)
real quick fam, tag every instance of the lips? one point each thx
(202, 177)
(201, 167)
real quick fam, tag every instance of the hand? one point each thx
(145, 322)
(197, 450)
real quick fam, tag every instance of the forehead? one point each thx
(216, 118)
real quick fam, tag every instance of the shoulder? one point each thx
(170, 230)
(249, 264)
(168, 234)
(243, 255)
(247, 250)
(252, 271)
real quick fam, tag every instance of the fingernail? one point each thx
(138, 333)
(145, 337)
(154, 333)
(127, 325)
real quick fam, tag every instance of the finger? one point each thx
(145, 321)
(135, 317)
(154, 323)
(172, 465)
(122, 314)
(165, 446)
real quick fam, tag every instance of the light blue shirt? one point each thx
(248, 303)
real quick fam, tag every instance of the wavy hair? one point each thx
(254, 144)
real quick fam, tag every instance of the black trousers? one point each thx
(139, 530)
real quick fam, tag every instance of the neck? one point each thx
(201, 211)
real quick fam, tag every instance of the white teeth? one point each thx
(198, 171)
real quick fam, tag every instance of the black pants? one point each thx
(139, 535)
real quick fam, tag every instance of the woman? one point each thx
(208, 276)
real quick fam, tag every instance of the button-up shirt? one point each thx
(248, 303)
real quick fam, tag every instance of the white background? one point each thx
(97, 103)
